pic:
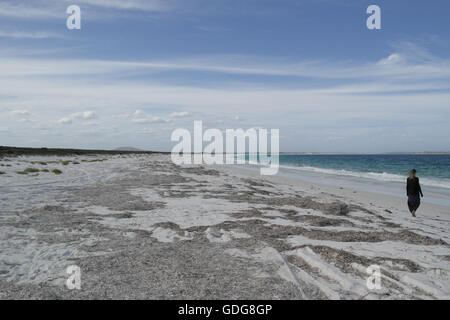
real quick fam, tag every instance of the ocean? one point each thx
(385, 173)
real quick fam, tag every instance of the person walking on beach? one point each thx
(413, 191)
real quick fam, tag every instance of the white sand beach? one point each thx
(140, 227)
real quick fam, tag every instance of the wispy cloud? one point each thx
(146, 5)
(28, 34)
(399, 65)
(25, 10)
(44, 9)
(398, 86)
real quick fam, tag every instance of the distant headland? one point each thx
(6, 151)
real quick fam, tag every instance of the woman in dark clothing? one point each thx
(413, 191)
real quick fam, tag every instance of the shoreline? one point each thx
(356, 195)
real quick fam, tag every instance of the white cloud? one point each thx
(149, 120)
(19, 113)
(141, 117)
(85, 115)
(65, 120)
(392, 59)
(181, 114)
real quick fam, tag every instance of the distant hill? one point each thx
(128, 149)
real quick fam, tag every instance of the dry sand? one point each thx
(140, 227)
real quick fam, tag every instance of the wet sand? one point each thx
(140, 227)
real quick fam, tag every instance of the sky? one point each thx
(139, 69)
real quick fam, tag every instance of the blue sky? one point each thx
(139, 69)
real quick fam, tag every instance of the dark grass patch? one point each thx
(1, 172)
(94, 160)
(39, 162)
(28, 170)
(57, 171)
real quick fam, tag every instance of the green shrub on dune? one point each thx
(56, 171)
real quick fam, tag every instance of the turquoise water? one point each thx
(381, 173)
(374, 173)
(433, 170)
